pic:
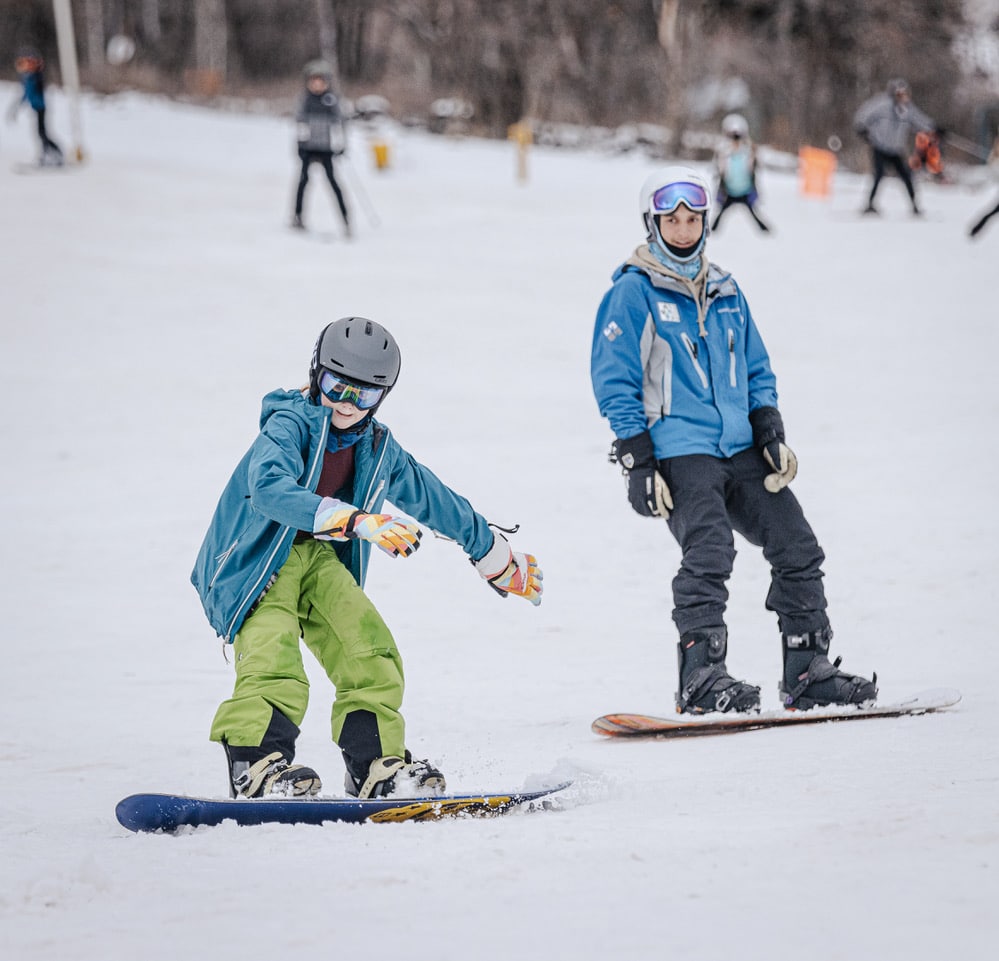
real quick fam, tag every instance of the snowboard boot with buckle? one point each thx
(810, 680)
(267, 769)
(272, 775)
(396, 775)
(705, 684)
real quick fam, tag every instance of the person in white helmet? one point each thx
(681, 373)
(735, 167)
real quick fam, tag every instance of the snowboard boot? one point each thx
(705, 684)
(267, 769)
(810, 680)
(272, 775)
(387, 776)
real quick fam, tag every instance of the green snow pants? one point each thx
(315, 599)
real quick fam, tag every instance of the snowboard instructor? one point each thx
(285, 560)
(680, 371)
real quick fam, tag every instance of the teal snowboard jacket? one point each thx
(271, 496)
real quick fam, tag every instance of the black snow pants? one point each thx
(325, 160)
(880, 159)
(715, 496)
(48, 144)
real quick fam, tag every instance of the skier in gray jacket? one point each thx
(886, 122)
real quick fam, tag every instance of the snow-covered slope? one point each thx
(150, 298)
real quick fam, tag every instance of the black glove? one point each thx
(768, 435)
(647, 491)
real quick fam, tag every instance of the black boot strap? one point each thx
(703, 679)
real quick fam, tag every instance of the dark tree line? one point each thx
(796, 68)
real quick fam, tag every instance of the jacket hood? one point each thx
(717, 279)
(297, 401)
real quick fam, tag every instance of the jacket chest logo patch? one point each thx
(669, 313)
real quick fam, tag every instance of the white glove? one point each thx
(781, 458)
(510, 573)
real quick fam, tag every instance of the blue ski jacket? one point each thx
(32, 90)
(687, 369)
(271, 497)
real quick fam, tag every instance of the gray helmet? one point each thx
(360, 350)
(318, 68)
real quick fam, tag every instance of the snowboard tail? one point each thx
(169, 812)
(647, 726)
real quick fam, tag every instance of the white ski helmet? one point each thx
(664, 191)
(734, 125)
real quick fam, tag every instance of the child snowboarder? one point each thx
(285, 559)
(321, 136)
(30, 71)
(680, 371)
(735, 164)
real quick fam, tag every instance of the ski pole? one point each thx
(355, 185)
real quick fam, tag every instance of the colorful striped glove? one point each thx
(338, 521)
(510, 573)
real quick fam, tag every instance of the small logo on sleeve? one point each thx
(612, 331)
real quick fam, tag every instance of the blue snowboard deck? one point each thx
(168, 812)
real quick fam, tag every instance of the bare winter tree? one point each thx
(150, 21)
(96, 39)
(210, 44)
(802, 65)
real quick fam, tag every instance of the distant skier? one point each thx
(30, 71)
(735, 164)
(321, 135)
(681, 372)
(885, 123)
(994, 169)
(285, 559)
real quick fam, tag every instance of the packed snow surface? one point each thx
(151, 297)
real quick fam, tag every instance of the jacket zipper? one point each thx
(692, 350)
(252, 593)
(370, 497)
(731, 357)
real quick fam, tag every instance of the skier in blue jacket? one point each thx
(680, 371)
(30, 71)
(285, 559)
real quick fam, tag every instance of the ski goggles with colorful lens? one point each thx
(337, 390)
(666, 199)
